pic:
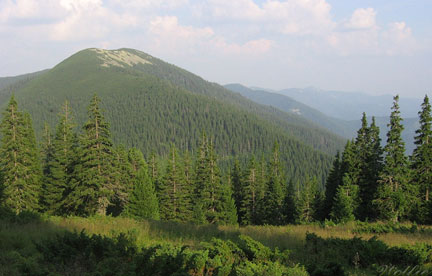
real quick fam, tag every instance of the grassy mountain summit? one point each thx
(151, 104)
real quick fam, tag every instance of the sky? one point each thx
(372, 46)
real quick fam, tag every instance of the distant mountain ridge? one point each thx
(346, 128)
(351, 105)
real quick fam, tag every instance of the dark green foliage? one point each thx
(19, 163)
(94, 185)
(174, 194)
(211, 196)
(252, 193)
(60, 159)
(366, 252)
(306, 202)
(80, 254)
(142, 200)
(343, 205)
(393, 191)
(272, 203)
(422, 163)
(333, 182)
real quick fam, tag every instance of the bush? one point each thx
(363, 253)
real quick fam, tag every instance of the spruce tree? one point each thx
(142, 200)
(228, 213)
(94, 186)
(344, 201)
(422, 162)
(236, 180)
(122, 178)
(333, 182)
(209, 190)
(173, 193)
(371, 168)
(20, 164)
(274, 194)
(250, 191)
(305, 202)
(47, 157)
(392, 195)
(61, 165)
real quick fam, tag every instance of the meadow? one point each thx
(350, 249)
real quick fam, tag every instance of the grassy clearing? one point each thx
(284, 237)
(20, 237)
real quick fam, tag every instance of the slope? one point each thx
(150, 112)
(287, 104)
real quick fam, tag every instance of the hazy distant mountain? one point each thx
(288, 104)
(351, 105)
(346, 128)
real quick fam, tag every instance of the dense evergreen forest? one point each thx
(82, 173)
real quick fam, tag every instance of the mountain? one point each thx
(288, 104)
(151, 104)
(345, 128)
(351, 105)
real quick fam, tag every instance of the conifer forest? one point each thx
(77, 172)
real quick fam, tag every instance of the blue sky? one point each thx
(378, 47)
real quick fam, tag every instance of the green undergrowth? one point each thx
(35, 245)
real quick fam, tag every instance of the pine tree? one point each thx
(344, 201)
(20, 165)
(422, 162)
(47, 157)
(61, 165)
(274, 195)
(333, 182)
(393, 189)
(250, 190)
(209, 190)
(238, 190)
(371, 168)
(122, 177)
(305, 201)
(94, 186)
(173, 193)
(142, 201)
(290, 204)
(228, 213)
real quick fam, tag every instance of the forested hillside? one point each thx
(151, 104)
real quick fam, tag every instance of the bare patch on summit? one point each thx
(119, 58)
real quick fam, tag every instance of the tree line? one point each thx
(83, 174)
(371, 182)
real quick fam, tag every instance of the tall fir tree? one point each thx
(94, 186)
(47, 158)
(142, 201)
(248, 205)
(60, 167)
(370, 169)
(20, 165)
(173, 192)
(121, 175)
(236, 179)
(333, 182)
(344, 201)
(392, 195)
(306, 201)
(272, 203)
(421, 163)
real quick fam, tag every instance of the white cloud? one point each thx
(300, 17)
(362, 19)
(168, 34)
